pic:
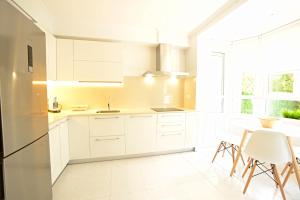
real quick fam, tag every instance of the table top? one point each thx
(286, 129)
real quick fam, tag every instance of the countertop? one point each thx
(54, 118)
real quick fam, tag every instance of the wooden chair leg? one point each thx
(219, 147)
(232, 152)
(278, 181)
(284, 169)
(247, 167)
(224, 149)
(243, 159)
(274, 175)
(250, 176)
(288, 174)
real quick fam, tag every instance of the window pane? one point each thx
(247, 84)
(276, 107)
(246, 106)
(283, 83)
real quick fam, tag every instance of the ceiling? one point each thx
(116, 18)
(254, 18)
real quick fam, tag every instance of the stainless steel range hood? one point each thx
(169, 61)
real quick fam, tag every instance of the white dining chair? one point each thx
(267, 147)
(288, 167)
(230, 137)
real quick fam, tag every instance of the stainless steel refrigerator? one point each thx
(25, 163)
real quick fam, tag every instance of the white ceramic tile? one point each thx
(182, 176)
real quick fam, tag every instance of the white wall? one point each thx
(37, 10)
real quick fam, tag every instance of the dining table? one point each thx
(290, 131)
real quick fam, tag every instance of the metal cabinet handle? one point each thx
(166, 125)
(99, 140)
(116, 117)
(140, 116)
(171, 134)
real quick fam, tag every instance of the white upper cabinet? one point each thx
(65, 60)
(97, 51)
(97, 61)
(50, 56)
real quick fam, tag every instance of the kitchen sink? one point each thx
(107, 111)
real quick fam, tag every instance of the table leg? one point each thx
(239, 152)
(294, 161)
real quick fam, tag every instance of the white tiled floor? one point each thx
(182, 176)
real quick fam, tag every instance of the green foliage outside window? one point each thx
(247, 84)
(284, 108)
(283, 83)
(246, 106)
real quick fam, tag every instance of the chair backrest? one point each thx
(268, 146)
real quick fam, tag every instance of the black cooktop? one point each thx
(166, 109)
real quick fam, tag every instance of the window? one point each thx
(247, 93)
(277, 107)
(282, 83)
(282, 93)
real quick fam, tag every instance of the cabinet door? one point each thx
(140, 133)
(106, 125)
(51, 56)
(55, 153)
(79, 144)
(64, 141)
(107, 146)
(191, 135)
(65, 68)
(98, 71)
(97, 51)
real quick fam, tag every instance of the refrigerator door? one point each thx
(27, 173)
(23, 90)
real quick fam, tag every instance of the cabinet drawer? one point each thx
(106, 125)
(107, 146)
(170, 140)
(167, 127)
(171, 118)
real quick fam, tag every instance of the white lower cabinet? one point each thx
(170, 131)
(79, 138)
(107, 146)
(140, 131)
(59, 149)
(101, 136)
(64, 142)
(191, 136)
(106, 125)
(55, 153)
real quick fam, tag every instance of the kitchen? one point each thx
(136, 101)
